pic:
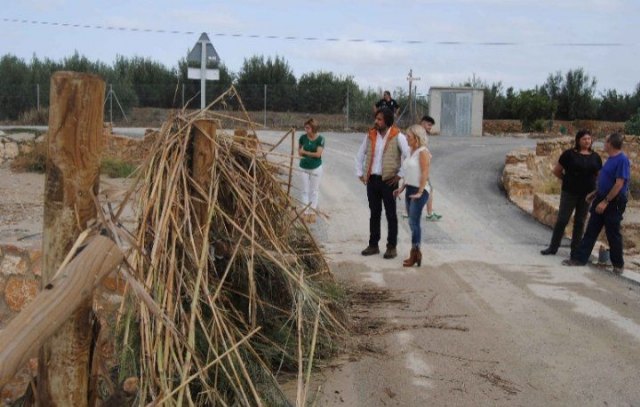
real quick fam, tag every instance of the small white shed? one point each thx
(457, 111)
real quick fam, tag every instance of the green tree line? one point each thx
(142, 82)
(568, 96)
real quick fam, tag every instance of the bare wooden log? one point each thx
(75, 144)
(27, 332)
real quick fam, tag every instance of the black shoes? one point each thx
(370, 250)
(390, 253)
(571, 262)
(548, 251)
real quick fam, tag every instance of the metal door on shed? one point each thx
(455, 117)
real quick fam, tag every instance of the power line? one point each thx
(295, 38)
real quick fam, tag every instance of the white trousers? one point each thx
(311, 187)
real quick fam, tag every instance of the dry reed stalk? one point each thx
(216, 304)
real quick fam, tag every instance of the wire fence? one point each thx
(272, 106)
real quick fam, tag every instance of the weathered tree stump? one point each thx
(75, 144)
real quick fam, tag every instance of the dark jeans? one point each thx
(569, 202)
(379, 194)
(610, 219)
(414, 210)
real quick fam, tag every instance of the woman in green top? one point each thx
(310, 147)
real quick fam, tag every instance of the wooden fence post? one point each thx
(75, 144)
(203, 159)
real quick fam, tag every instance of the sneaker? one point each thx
(433, 217)
(370, 250)
(618, 270)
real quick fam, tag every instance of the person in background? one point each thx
(609, 203)
(378, 167)
(387, 102)
(310, 148)
(416, 177)
(578, 169)
(427, 122)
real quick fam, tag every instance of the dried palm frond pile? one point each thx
(242, 289)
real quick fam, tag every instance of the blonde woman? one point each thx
(416, 177)
(310, 148)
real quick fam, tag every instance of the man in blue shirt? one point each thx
(609, 203)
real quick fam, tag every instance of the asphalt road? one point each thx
(486, 320)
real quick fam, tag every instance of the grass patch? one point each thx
(116, 168)
(550, 186)
(634, 188)
(35, 116)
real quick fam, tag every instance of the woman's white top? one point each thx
(411, 167)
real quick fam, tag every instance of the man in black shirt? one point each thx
(388, 102)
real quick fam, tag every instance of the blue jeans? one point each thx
(610, 219)
(414, 210)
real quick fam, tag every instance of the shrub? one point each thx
(116, 168)
(34, 117)
(633, 125)
(531, 106)
(539, 125)
(33, 161)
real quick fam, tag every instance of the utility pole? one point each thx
(265, 106)
(347, 107)
(411, 78)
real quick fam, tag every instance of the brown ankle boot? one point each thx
(412, 258)
(415, 257)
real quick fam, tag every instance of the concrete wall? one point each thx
(477, 109)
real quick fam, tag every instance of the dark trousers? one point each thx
(568, 203)
(379, 194)
(610, 219)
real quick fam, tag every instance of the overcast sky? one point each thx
(375, 41)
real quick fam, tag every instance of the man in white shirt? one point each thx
(378, 164)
